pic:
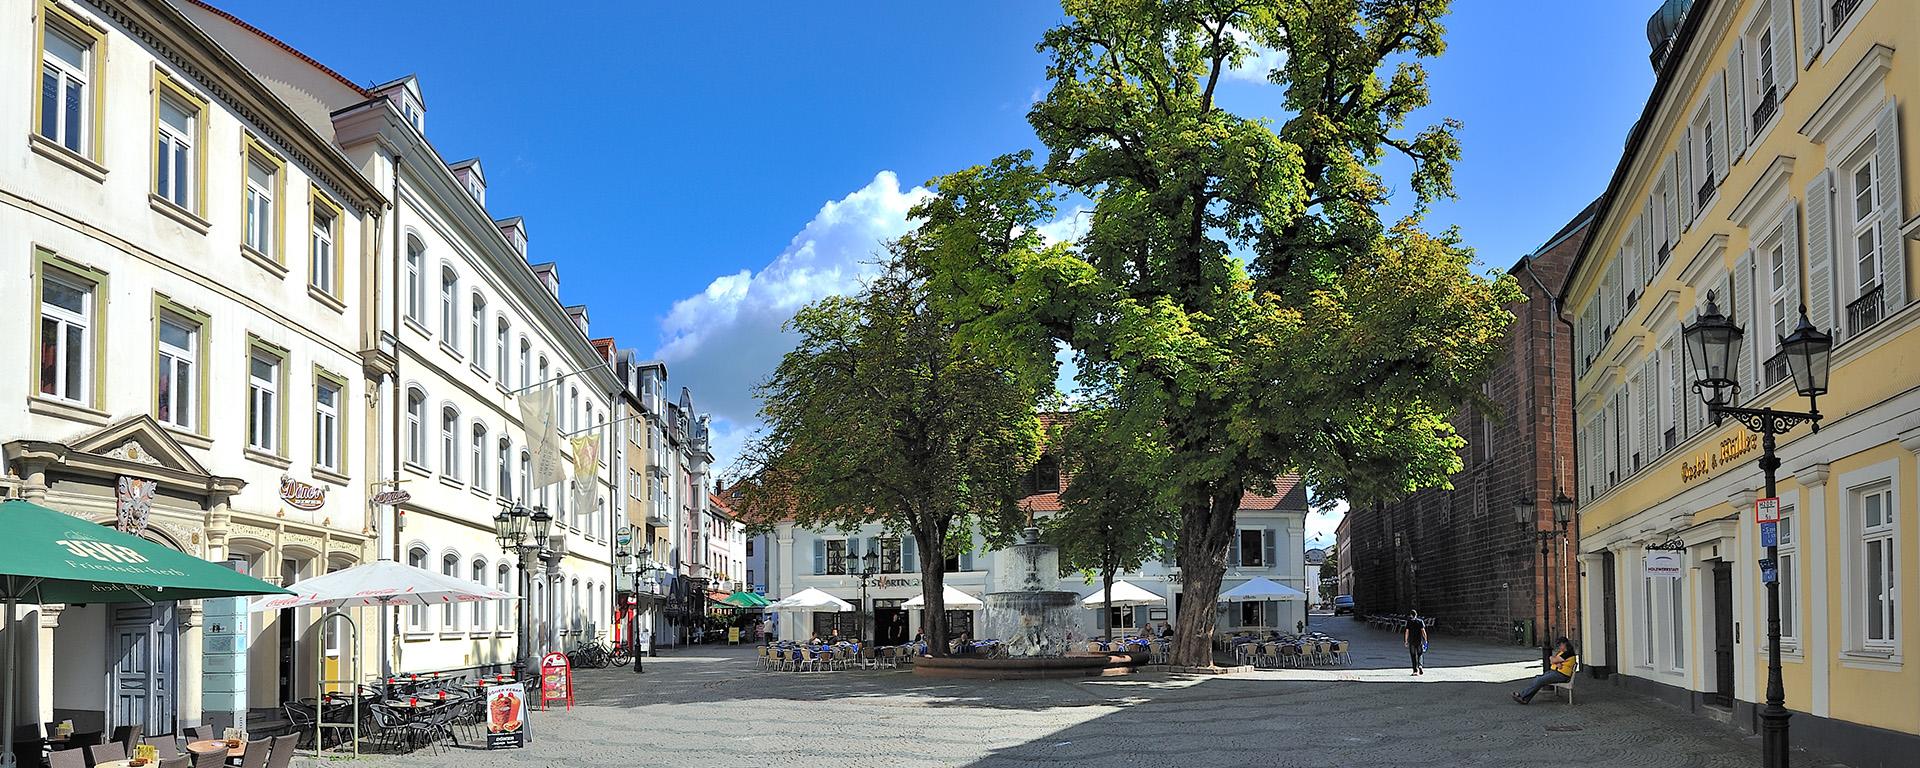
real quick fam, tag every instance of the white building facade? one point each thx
(186, 257)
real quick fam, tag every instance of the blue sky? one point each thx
(699, 171)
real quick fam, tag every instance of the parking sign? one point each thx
(1767, 510)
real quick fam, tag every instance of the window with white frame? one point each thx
(1874, 517)
(1677, 621)
(263, 401)
(66, 74)
(66, 337)
(261, 179)
(505, 461)
(449, 442)
(526, 473)
(449, 307)
(503, 581)
(1863, 222)
(173, 159)
(478, 330)
(478, 458)
(1647, 618)
(416, 288)
(417, 614)
(416, 426)
(526, 353)
(479, 610)
(500, 357)
(177, 380)
(325, 272)
(1763, 94)
(1786, 557)
(450, 612)
(326, 424)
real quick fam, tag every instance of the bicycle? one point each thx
(591, 655)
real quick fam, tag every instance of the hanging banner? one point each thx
(556, 680)
(543, 437)
(1663, 565)
(133, 500)
(506, 716)
(586, 472)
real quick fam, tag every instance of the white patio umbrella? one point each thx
(1125, 595)
(381, 583)
(952, 597)
(811, 599)
(1262, 589)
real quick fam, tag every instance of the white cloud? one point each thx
(1320, 525)
(1258, 63)
(727, 338)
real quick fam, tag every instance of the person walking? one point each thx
(1415, 637)
(1559, 670)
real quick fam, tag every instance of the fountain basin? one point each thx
(1035, 668)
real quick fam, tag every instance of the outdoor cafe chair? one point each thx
(212, 758)
(127, 736)
(198, 732)
(26, 752)
(256, 753)
(164, 744)
(177, 761)
(105, 753)
(282, 754)
(83, 739)
(67, 758)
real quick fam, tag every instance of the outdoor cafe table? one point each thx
(114, 764)
(210, 745)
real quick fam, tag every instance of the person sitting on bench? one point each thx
(1559, 670)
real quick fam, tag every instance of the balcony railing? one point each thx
(1706, 190)
(1841, 10)
(1777, 370)
(1865, 311)
(1666, 252)
(1769, 104)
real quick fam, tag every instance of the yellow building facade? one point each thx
(1773, 166)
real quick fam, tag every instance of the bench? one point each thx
(1568, 685)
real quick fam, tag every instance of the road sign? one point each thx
(1767, 510)
(1769, 572)
(1769, 534)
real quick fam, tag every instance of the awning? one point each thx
(952, 597)
(744, 599)
(1125, 594)
(54, 557)
(1262, 589)
(383, 582)
(811, 599)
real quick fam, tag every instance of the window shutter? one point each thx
(1735, 83)
(1675, 392)
(1650, 407)
(1233, 558)
(1742, 312)
(1717, 112)
(1604, 430)
(1580, 464)
(1785, 74)
(1689, 181)
(873, 545)
(1812, 32)
(966, 558)
(853, 553)
(1269, 548)
(1647, 227)
(1820, 254)
(1893, 252)
(909, 554)
(1671, 225)
(819, 557)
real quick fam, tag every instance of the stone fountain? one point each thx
(1023, 610)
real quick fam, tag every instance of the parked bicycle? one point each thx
(592, 655)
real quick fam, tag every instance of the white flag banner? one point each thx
(543, 437)
(586, 472)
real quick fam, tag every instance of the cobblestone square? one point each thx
(716, 707)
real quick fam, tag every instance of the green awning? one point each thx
(745, 600)
(53, 557)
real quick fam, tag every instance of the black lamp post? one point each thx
(1524, 511)
(1712, 342)
(523, 533)
(638, 566)
(869, 568)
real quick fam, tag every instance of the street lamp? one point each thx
(869, 568)
(1524, 511)
(523, 533)
(638, 566)
(1711, 343)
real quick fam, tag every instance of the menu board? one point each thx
(556, 680)
(506, 716)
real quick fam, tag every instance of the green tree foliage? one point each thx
(880, 415)
(1240, 270)
(1117, 510)
(1330, 574)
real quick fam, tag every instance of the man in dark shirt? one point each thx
(1416, 639)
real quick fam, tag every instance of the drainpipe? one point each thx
(390, 623)
(1553, 402)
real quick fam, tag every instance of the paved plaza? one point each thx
(715, 707)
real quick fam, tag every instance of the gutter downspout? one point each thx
(1553, 404)
(390, 624)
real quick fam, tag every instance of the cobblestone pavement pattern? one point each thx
(715, 707)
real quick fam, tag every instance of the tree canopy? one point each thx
(1240, 271)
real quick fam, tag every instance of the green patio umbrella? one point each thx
(745, 599)
(53, 557)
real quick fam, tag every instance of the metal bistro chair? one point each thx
(283, 747)
(105, 753)
(127, 736)
(177, 761)
(212, 758)
(26, 752)
(198, 732)
(164, 744)
(66, 758)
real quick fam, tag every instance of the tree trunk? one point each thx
(1106, 580)
(933, 589)
(1206, 533)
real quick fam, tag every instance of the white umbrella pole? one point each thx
(7, 687)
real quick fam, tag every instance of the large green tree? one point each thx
(1240, 268)
(880, 414)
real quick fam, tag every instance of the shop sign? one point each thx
(301, 495)
(556, 680)
(1727, 452)
(391, 498)
(1663, 564)
(895, 581)
(507, 716)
